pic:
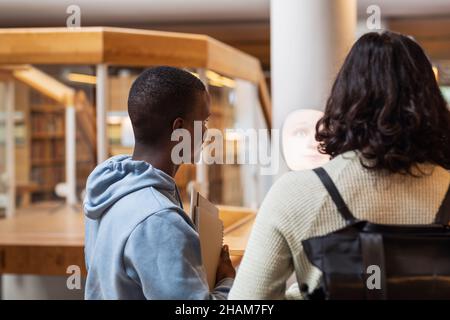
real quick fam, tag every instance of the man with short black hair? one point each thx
(140, 244)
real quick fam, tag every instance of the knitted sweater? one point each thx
(298, 207)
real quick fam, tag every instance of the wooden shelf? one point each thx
(47, 135)
(46, 109)
(45, 188)
(47, 162)
(26, 187)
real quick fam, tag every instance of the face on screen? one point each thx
(299, 143)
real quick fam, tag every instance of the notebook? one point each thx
(210, 229)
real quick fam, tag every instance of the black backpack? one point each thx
(368, 261)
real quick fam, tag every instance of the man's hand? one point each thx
(225, 269)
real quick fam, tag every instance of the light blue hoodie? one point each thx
(139, 243)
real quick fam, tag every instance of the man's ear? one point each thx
(177, 123)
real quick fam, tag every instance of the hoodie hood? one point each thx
(120, 176)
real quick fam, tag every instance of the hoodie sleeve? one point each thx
(162, 255)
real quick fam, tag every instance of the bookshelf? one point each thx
(39, 129)
(22, 144)
(47, 154)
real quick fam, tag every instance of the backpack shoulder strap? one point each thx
(443, 215)
(335, 195)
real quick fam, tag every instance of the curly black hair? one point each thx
(386, 104)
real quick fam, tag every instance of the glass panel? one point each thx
(40, 132)
(446, 92)
(119, 130)
(47, 158)
(224, 181)
(442, 71)
(236, 112)
(235, 105)
(82, 80)
(3, 155)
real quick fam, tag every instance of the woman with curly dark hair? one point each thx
(386, 104)
(386, 128)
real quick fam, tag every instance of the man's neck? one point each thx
(158, 157)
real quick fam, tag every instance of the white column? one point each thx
(201, 168)
(101, 105)
(10, 150)
(309, 40)
(71, 173)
